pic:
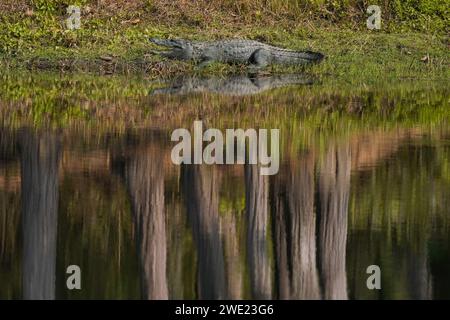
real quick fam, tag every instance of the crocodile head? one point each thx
(178, 49)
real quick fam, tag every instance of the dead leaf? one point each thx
(425, 59)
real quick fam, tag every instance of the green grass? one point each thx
(40, 40)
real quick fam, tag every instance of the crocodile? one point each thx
(234, 51)
(236, 85)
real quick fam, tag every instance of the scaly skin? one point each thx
(233, 51)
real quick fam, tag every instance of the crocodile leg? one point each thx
(206, 58)
(259, 59)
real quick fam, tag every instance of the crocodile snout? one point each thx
(166, 43)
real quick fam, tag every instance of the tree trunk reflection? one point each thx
(201, 190)
(256, 207)
(334, 190)
(295, 232)
(39, 172)
(145, 179)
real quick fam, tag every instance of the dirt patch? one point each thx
(13, 6)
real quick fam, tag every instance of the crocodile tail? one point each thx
(297, 57)
(311, 55)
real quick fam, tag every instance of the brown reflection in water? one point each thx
(334, 191)
(39, 171)
(295, 231)
(309, 205)
(201, 185)
(257, 213)
(145, 181)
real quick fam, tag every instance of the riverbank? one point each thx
(114, 40)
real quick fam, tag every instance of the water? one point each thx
(86, 179)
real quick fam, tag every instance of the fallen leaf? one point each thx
(425, 59)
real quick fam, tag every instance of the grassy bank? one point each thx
(114, 35)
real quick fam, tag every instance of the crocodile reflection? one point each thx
(237, 85)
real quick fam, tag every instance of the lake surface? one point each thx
(86, 179)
